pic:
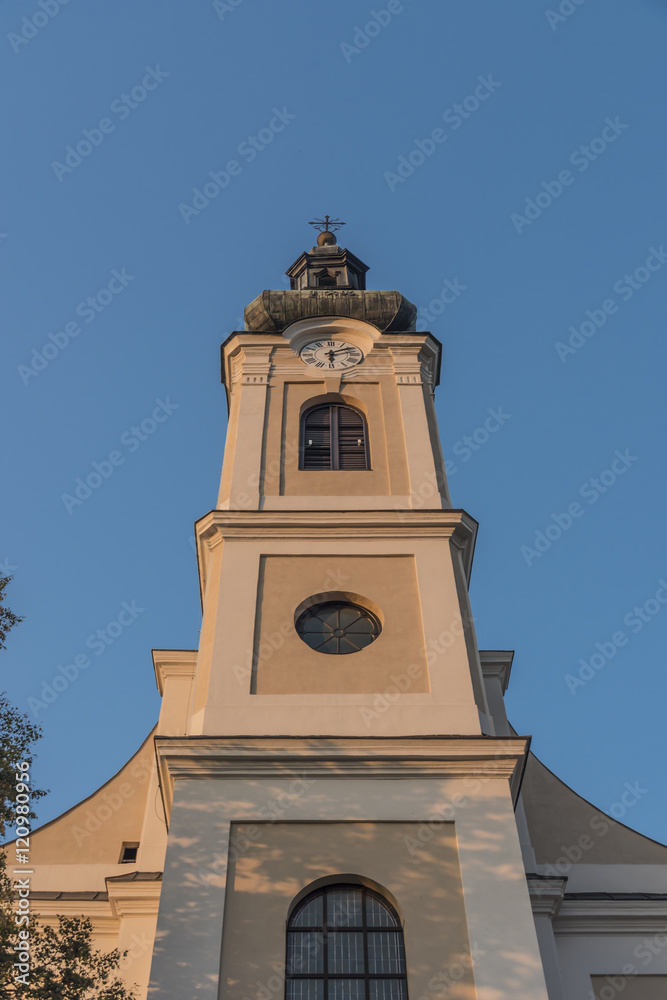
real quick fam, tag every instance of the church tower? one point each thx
(333, 805)
(340, 806)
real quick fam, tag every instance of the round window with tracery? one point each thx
(337, 627)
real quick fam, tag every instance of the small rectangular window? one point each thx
(128, 854)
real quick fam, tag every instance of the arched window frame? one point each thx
(323, 983)
(334, 443)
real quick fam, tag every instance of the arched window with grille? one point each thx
(334, 437)
(345, 942)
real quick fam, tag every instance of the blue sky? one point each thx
(540, 199)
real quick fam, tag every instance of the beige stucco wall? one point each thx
(630, 951)
(283, 858)
(269, 387)
(194, 910)
(287, 665)
(295, 690)
(75, 860)
(378, 400)
(93, 831)
(387, 473)
(565, 828)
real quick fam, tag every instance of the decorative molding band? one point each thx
(134, 907)
(65, 900)
(48, 910)
(391, 353)
(414, 363)
(134, 898)
(335, 757)
(173, 663)
(251, 365)
(389, 523)
(612, 916)
(497, 663)
(264, 525)
(546, 894)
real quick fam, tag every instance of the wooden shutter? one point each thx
(351, 439)
(334, 437)
(317, 439)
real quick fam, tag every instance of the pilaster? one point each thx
(134, 902)
(546, 898)
(415, 371)
(242, 466)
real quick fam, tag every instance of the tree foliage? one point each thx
(8, 929)
(65, 966)
(17, 736)
(7, 617)
(17, 732)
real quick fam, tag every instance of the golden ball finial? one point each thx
(326, 239)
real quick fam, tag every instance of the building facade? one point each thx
(333, 805)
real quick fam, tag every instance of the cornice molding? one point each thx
(415, 363)
(254, 758)
(255, 358)
(612, 916)
(173, 663)
(250, 364)
(279, 523)
(456, 525)
(546, 894)
(99, 911)
(134, 898)
(497, 663)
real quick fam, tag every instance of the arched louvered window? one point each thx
(333, 437)
(345, 942)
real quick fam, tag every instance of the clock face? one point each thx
(331, 355)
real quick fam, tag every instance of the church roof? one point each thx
(273, 311)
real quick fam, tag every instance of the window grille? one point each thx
(345, 942)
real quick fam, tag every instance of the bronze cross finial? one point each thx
(327, 225)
